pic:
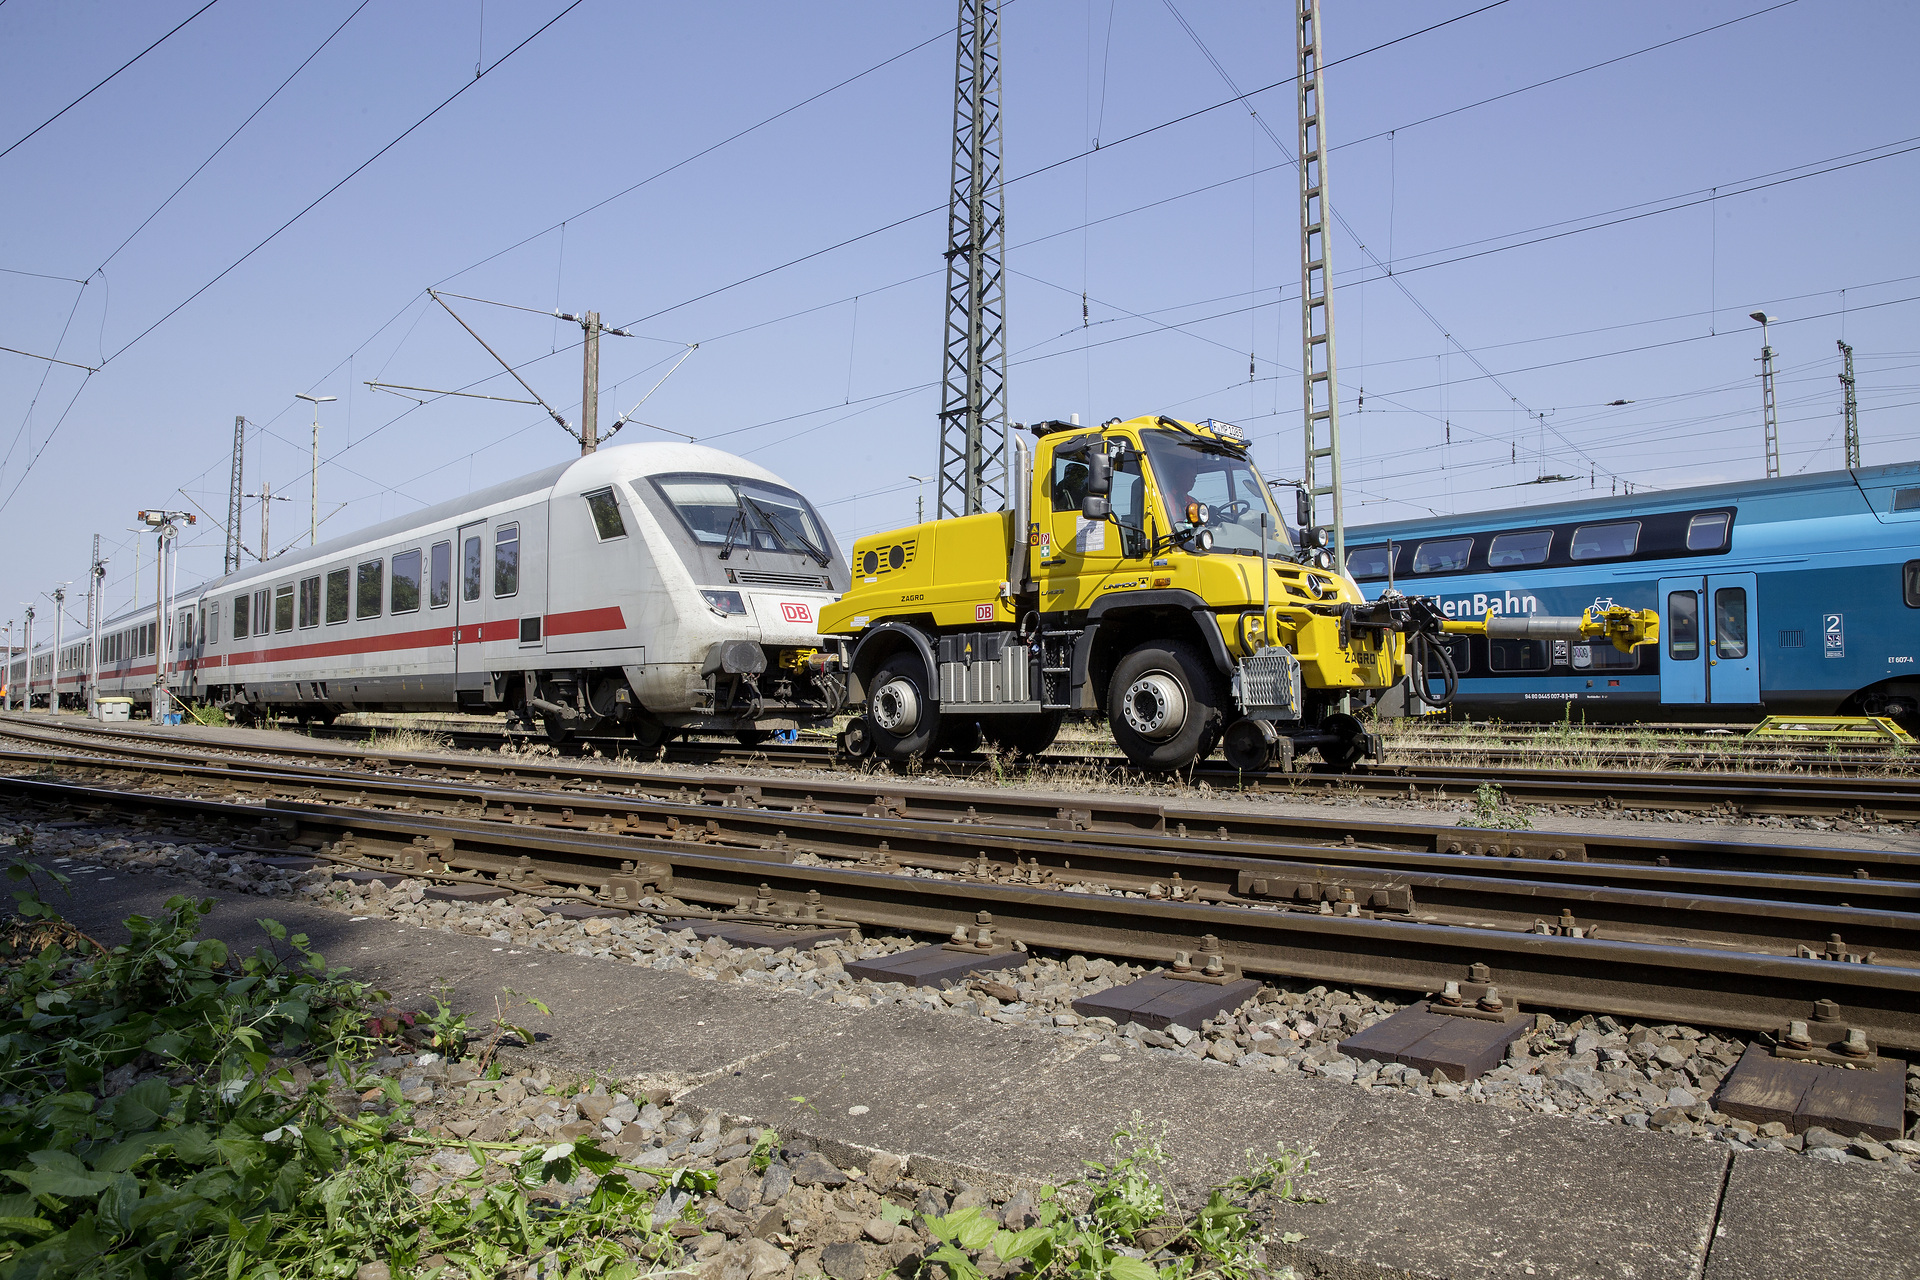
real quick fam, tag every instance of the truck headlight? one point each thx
(725, 603)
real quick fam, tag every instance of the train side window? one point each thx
(336, 596)
(1602, 656)
(366, 602)
(1708, 532)
(1730, 622)
(506, 560)
(406, 583)
(1510, 549)
(240, 617)
(440, 576)
(283, 608)
(1367, 562)
(1605, 541)
(310, 602)
(1906, 499)
(606, 514)
(213, 623)
(470, 568)
(262, 611)
(1442, 557)
(206, 636)
(1683, 625)
(1910, 583)
(1517, 655)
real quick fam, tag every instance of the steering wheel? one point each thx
(1229, 511)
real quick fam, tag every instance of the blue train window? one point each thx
(1510, 549)
(1683, 625)
(1708, 532)
(1367, 562)
(1605, 541)
(1730, 622)
(1910, 583)
(1443, 556)
(1517, 655)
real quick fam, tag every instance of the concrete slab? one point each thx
(1158, 1000)
(1461, 1048)
(737, 933)
(1789, 1218)
(286, 861)
(1851, 1101)
(932, 966)
(584, 911)
(356, 876)
(469, 892)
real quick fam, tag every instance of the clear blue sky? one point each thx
(824, 371)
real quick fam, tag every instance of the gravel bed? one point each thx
(1588, 1069)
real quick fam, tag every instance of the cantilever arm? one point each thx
(1626, 628)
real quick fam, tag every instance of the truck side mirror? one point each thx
(1099, 472)
(1302, 508)
(1095, 506)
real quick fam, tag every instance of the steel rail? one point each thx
(1656, 905)
(1082, 813)
(1627, 979)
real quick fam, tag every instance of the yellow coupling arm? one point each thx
(1626, 628)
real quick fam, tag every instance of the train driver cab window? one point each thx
(1442, 557)
(336, 596)
(1683, 625)
(1910, 583)
(1708, 532)
(1517, 655)
(1367, 562)
(406, 583)
(440, 576)
(1509, 550)
(470, 568)
(366, 596)
(283, 608)
(240, 617)
(606, 514)
(1730, 622)
(506, 560)
(1605, 541)
(310, 602)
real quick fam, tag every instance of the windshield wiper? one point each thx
(801, 538)
(734, 526)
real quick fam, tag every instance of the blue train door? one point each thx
(1733, 675)
(1683, 667)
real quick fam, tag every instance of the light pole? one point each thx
(26, 647)
(6, 678)
(1766, 393)
(313, 516)
(920, 503)
(163, 523)
(59, 598)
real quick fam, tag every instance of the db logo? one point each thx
(795, 612)
(983, 613)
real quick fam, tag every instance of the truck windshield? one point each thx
(1193, 473)
(733, 510)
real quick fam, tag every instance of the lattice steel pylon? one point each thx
(1319, 371)
(233, 497)
(1852, 408)
(973, 383)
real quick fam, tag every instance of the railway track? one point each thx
(1727, 935)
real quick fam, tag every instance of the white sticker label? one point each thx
(1834, 628)
(1089, 535)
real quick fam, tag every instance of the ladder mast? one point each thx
(1852, 408)
(1319, 370)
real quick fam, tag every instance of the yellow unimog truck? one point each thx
(1142, 575)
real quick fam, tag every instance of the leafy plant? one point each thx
(447, 1031)
(1491, 811)
(502, 1028)
(763, 1151)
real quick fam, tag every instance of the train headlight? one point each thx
(725, 603)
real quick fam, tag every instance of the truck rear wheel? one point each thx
(1023, 735)
(904, 720)
(1164, 706)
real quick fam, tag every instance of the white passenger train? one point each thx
(651, 589)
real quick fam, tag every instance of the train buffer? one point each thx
(1833, 729)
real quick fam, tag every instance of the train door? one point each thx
(1733, 660)
(469, 607)
(1683, 667)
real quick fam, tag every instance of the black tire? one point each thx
(1353, 741)
(752, 737)
(649, 734)
(1164, 706)
(1023, 735)
(960, 737)
(901, 713)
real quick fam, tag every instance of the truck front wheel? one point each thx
(1164, 706)
(904, 720)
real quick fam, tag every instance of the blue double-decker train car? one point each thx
(1797, 595)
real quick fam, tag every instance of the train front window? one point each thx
(1708, 532)
(734, 511)
(1683, 626)
(1192, 474)
(1730, 622)
(1510, 550)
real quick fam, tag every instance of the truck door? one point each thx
(1683, 667)
(1077, 557)
(1733, 664)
